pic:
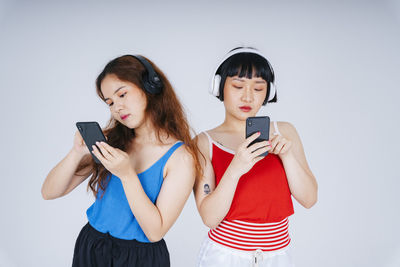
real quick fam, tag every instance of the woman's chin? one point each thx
(133, 124)
(127, 124)
(243, 116)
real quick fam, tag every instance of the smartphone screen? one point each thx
(91, 133)
(258, 124)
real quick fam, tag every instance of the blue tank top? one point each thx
(112, 213)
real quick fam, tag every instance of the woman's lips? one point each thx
(123, 117)
(245, 108)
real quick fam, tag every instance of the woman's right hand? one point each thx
(246, 157)
(79, 145)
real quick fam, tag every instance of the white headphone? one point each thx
(216, 78)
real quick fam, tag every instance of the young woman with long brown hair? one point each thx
(147, 170)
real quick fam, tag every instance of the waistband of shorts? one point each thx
(121, 242)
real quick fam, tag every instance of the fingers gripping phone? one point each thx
(258, 124)
(91, 133)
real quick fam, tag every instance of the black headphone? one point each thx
(151, 81)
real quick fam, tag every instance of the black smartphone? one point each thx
(91, 133)
(258, 124)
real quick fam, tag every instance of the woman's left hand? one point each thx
(280, 145)
(114, 160)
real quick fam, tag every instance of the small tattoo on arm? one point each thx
(206, 189)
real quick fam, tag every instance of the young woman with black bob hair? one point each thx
(244, 198)
(148, 167)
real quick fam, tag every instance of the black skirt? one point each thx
(94, 248)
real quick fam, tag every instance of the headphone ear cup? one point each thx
(151, 81)
(157, 82)
(215, 85)
(152, 87)
(156, 85)
(147, 86)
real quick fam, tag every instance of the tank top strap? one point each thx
(210, 142)
(276, 128)
(168, 154)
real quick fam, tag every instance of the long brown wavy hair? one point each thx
(164, 110)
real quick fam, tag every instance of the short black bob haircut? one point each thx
(245, 65)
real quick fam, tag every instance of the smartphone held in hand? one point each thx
(91, 133)
(258, 124)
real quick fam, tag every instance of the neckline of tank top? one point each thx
(221, 146)
(152, 165)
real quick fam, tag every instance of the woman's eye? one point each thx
(259, 89)
(122, 95)
(237, 87)
(110, 104)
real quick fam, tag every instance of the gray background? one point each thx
(336, 65)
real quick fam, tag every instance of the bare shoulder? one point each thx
(181, 161)
(287, 129)
(203, 142)
(182, 155)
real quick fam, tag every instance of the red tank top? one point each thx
(262, 194)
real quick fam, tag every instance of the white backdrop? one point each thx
(336, 65)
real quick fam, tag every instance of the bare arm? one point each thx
(62, 178)
(214, 206)
(302, 182)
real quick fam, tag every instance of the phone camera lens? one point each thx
(249, 123)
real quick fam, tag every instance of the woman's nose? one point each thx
(118, 105)
(247, 94)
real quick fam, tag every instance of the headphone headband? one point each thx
(216, 78)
